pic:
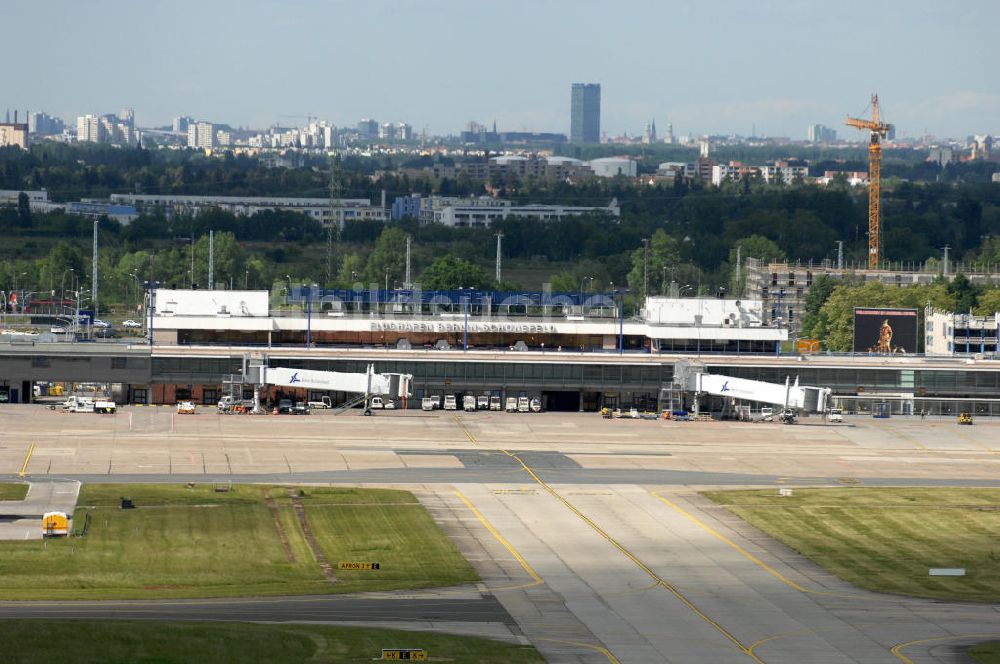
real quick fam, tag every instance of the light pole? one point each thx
(288, 293)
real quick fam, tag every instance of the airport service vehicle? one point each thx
(495, 403)
(767, 414)
(523, 405)
(76, 404)
(427, 403)
(300, 408)
(450, 403)
(511, 405)
(787, 416)
(483, 402)
(325, 403)
(468, 403)
(836, 415)
(437, 400)
(132, 324)
(376, 402)
(185, 408)
(965, 418)
(390, 404)
(285, 406)
(535, 405)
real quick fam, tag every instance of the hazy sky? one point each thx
(705, 66)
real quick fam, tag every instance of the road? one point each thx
(590, 535)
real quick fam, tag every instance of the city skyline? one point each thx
(770, 69)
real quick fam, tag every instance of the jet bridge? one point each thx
(394, 385)
(693, 380)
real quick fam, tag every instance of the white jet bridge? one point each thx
(365, 385)
(790, 396)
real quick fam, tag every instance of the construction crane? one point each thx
(877, 130)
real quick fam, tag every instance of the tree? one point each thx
(449, 273)
(388, 260)
(23, 210)
(963, 292)
(820, 291)
(989, 302)
(663, 254)
(756, 246)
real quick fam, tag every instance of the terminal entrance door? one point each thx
(561, 401)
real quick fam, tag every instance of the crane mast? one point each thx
(877, 130)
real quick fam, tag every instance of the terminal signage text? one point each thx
(475, 327)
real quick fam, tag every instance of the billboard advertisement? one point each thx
(885, 331)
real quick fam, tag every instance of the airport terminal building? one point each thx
(572, 351)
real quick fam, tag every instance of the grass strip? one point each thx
(887, 539)
(185, 542)
(80, 642)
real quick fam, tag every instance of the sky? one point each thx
(719, 67)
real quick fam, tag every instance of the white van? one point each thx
(836, 415)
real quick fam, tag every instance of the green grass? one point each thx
(194, 542)
(886, 539)
(985, 653)
(13, 491)
(76, 642)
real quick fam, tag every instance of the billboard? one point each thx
(885, 331)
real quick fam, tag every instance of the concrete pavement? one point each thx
(589, 532)
(22, 519)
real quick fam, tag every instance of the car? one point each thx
(376, 402)
(390, 404)
(185, 408)
(101, 323)
(300, 408)
(132, 324)
(836, 415)
(285, 406)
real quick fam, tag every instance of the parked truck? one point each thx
(469, 403)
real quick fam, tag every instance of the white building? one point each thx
(483, 215)
(338, 211)
(948, 333)
(201, 135)
(89, 129)
(609, 167)
(784, 173)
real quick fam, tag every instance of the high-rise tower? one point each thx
(585, 113)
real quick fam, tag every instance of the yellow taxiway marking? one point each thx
(24, 468)
(601, 649)
(660, 581)
(503, 540)
(897, 650)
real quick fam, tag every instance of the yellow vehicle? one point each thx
(965, 418)
(55, 524)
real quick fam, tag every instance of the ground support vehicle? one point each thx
(469, 403)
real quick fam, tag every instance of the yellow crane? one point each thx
(877, 130)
